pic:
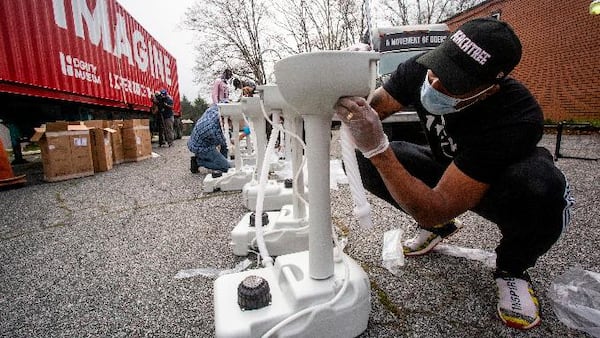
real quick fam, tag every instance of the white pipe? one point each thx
(236, 142)
(249, 138)
(320, 248)
(373, 83)
(286, 141)
(259, 131)
(278, 125)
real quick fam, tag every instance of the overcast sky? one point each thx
(162, 18)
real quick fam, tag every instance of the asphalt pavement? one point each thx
(98, 256)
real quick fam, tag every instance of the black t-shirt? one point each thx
(482, 139)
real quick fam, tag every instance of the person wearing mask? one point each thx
(483, 128)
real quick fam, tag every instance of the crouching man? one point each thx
(483, 128)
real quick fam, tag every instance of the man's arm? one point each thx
(384, 104)
(169, 103)
(454, 194)
(218, 132)
(215, 91)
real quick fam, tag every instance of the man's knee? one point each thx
(536, 178)
(530, 196)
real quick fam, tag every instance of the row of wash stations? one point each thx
(311, 288)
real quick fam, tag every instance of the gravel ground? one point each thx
(97, 256)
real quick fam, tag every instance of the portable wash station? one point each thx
(276, 194)
(234, 178)
(319, 292)
(285, 222)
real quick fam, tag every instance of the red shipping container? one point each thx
(84, 51)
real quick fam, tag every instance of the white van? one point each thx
(397, 44)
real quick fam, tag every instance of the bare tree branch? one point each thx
(249, 36)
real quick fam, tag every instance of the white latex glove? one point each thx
(364, 125)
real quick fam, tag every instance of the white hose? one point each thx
(260, 196)
(280, 130)
(362, 208)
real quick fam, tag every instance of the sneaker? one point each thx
(194, 165)
(518, 307)
(426, 240)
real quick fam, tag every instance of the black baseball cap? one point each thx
(478, 53)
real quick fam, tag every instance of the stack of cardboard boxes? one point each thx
(136, 140)
(77, 149)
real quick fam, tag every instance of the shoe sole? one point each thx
(434, 242)
(515, 325)
(518, 323)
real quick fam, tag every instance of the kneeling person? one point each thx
(207, 142)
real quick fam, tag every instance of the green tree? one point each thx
(187, 109)
(192, 111)
(200, 106)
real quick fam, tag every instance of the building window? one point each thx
(496, 14)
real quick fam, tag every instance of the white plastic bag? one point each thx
(575, 297)
(391, 253)
(486, 257)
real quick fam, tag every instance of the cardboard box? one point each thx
(66, 150)
(136, 139)
(100, 136)
(116, 140)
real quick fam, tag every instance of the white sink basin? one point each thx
(251, 107)
(273, 100)
(233, 109)
(313, 82)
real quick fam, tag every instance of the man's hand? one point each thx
(364, 125)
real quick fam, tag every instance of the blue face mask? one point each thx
(438, 103)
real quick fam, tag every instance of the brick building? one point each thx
(561, 52)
